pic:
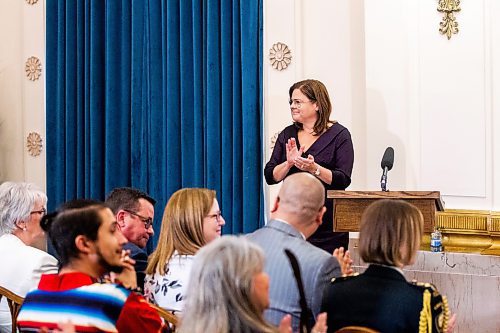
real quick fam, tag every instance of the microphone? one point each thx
(386, 164)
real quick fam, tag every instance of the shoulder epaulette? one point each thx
(344, 278)
(435, 311)
(426, 286)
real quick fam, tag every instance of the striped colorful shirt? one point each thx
(90, 306)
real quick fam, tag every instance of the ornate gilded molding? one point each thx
(494, 229)
(34, 144)
(495, 223)
(463, 220)
(280, 56)
(470, 231)
(31, 2)
(33, 68)
(448, 26)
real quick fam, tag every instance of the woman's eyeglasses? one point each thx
(42, 211)
(298, 103)
(217, 216)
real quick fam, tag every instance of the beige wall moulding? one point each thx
(280, 56)
(34, 144)
(469, 231)
(33, 68)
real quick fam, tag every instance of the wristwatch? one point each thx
(317, 172)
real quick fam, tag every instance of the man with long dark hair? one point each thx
(90, 245)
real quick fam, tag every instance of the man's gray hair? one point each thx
(17, 200)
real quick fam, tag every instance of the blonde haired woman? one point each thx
(192, 218)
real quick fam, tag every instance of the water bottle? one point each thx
(436, 241)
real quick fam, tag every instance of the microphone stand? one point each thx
(383, 180)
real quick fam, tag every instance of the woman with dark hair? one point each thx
(381, 298)
(318, 145)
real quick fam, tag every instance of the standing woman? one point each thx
(192, 218)
(314, 144)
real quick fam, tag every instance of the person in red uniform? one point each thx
(90, 245)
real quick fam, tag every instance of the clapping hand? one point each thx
(345, 260)
(452, 323)
(305, 164)
(292, 153)
(319, 327)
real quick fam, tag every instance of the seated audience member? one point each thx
(192, 218)
(381, 298)
(90, 245)
(296, 214)
(228, 291)
(134, 212)
(22, 206)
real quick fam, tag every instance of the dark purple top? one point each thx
(332, 150)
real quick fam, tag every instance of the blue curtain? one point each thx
(157, 95)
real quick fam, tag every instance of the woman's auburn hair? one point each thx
(390, 232)
(316, 92)
(181, 226)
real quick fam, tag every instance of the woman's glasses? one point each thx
(42, 211)
(298, 103)
(217, 216)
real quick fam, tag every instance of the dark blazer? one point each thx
(332, 150)
(141, 262)
(380, 299)
(317, 268)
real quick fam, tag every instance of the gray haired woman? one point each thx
(22, 206)
(229, 291)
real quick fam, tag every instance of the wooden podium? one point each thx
(348, 206)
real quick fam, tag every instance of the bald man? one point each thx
(296, 214)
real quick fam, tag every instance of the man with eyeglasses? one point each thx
(134, 212)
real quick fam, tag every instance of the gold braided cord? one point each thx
(425, 322)
(446, 314)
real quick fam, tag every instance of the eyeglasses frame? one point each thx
(148, 222)
(218, 216)
(298, 103)
(42, 211)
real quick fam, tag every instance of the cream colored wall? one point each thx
(395, 81)
(433, 99)
(21, 100)
(326, 40)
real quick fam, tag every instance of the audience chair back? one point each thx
(168, 316)
(356, 329)
(14, 301)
